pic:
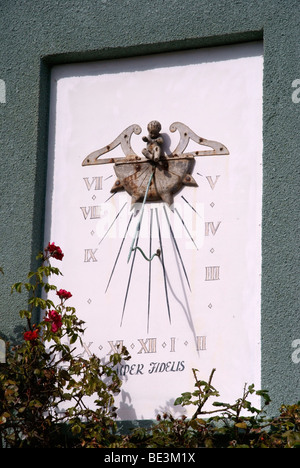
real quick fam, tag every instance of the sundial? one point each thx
(155, 177)
(165, 174)
(160, 226)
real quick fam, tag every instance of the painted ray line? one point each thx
(175, 173)
(129, 280)
(186, 201)
(140, 178)
(149, 271)
(136, 240)
(119, 252)
(116, 217)
(177, 249)
(145, 172)
(186, 228)
(163, 265)
(110, 197)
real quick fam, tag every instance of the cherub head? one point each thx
(154, 128)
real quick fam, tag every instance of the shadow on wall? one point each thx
(126, 409)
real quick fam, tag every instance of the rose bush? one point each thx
(50, 396)
(55, 319)
(63, 294)
(54, 251)
(31, 335)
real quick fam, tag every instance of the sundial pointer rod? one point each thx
(141, 216)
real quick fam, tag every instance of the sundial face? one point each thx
(155, 177)
(160, 227)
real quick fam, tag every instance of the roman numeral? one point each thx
(87, 349)
(210, 227)
(148, 346)
(172, 350)
(89, 255)
(96, 181)
(211, 182)
(94, 212)
(201, 343)
(212, 273)
(116, 348)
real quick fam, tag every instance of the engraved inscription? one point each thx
(148, 346)
(211, 182)
(92, 212)
(95, 183)
(212, 273)
(115, 347)
(201, 343)
(210, 227)
(89, 255)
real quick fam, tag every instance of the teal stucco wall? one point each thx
(34, 35)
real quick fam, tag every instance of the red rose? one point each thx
(54, 251)
(63, 294)
(31, 335)
(55, 318)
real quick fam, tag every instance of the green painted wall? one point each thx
(36, 34)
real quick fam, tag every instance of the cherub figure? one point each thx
(154, 141)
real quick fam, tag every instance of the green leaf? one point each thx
(35, 404)
(186, 395)
(197, 424)
(76, 429)
(73, 339)
(241, 425)
(25, 314)
(64, 374)
(56, 339)
(251, 388)
(49, 287)
(219, 403)
(178, 401)
(50, 304)
(265, 395)
(17, 287)
(38, 302)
